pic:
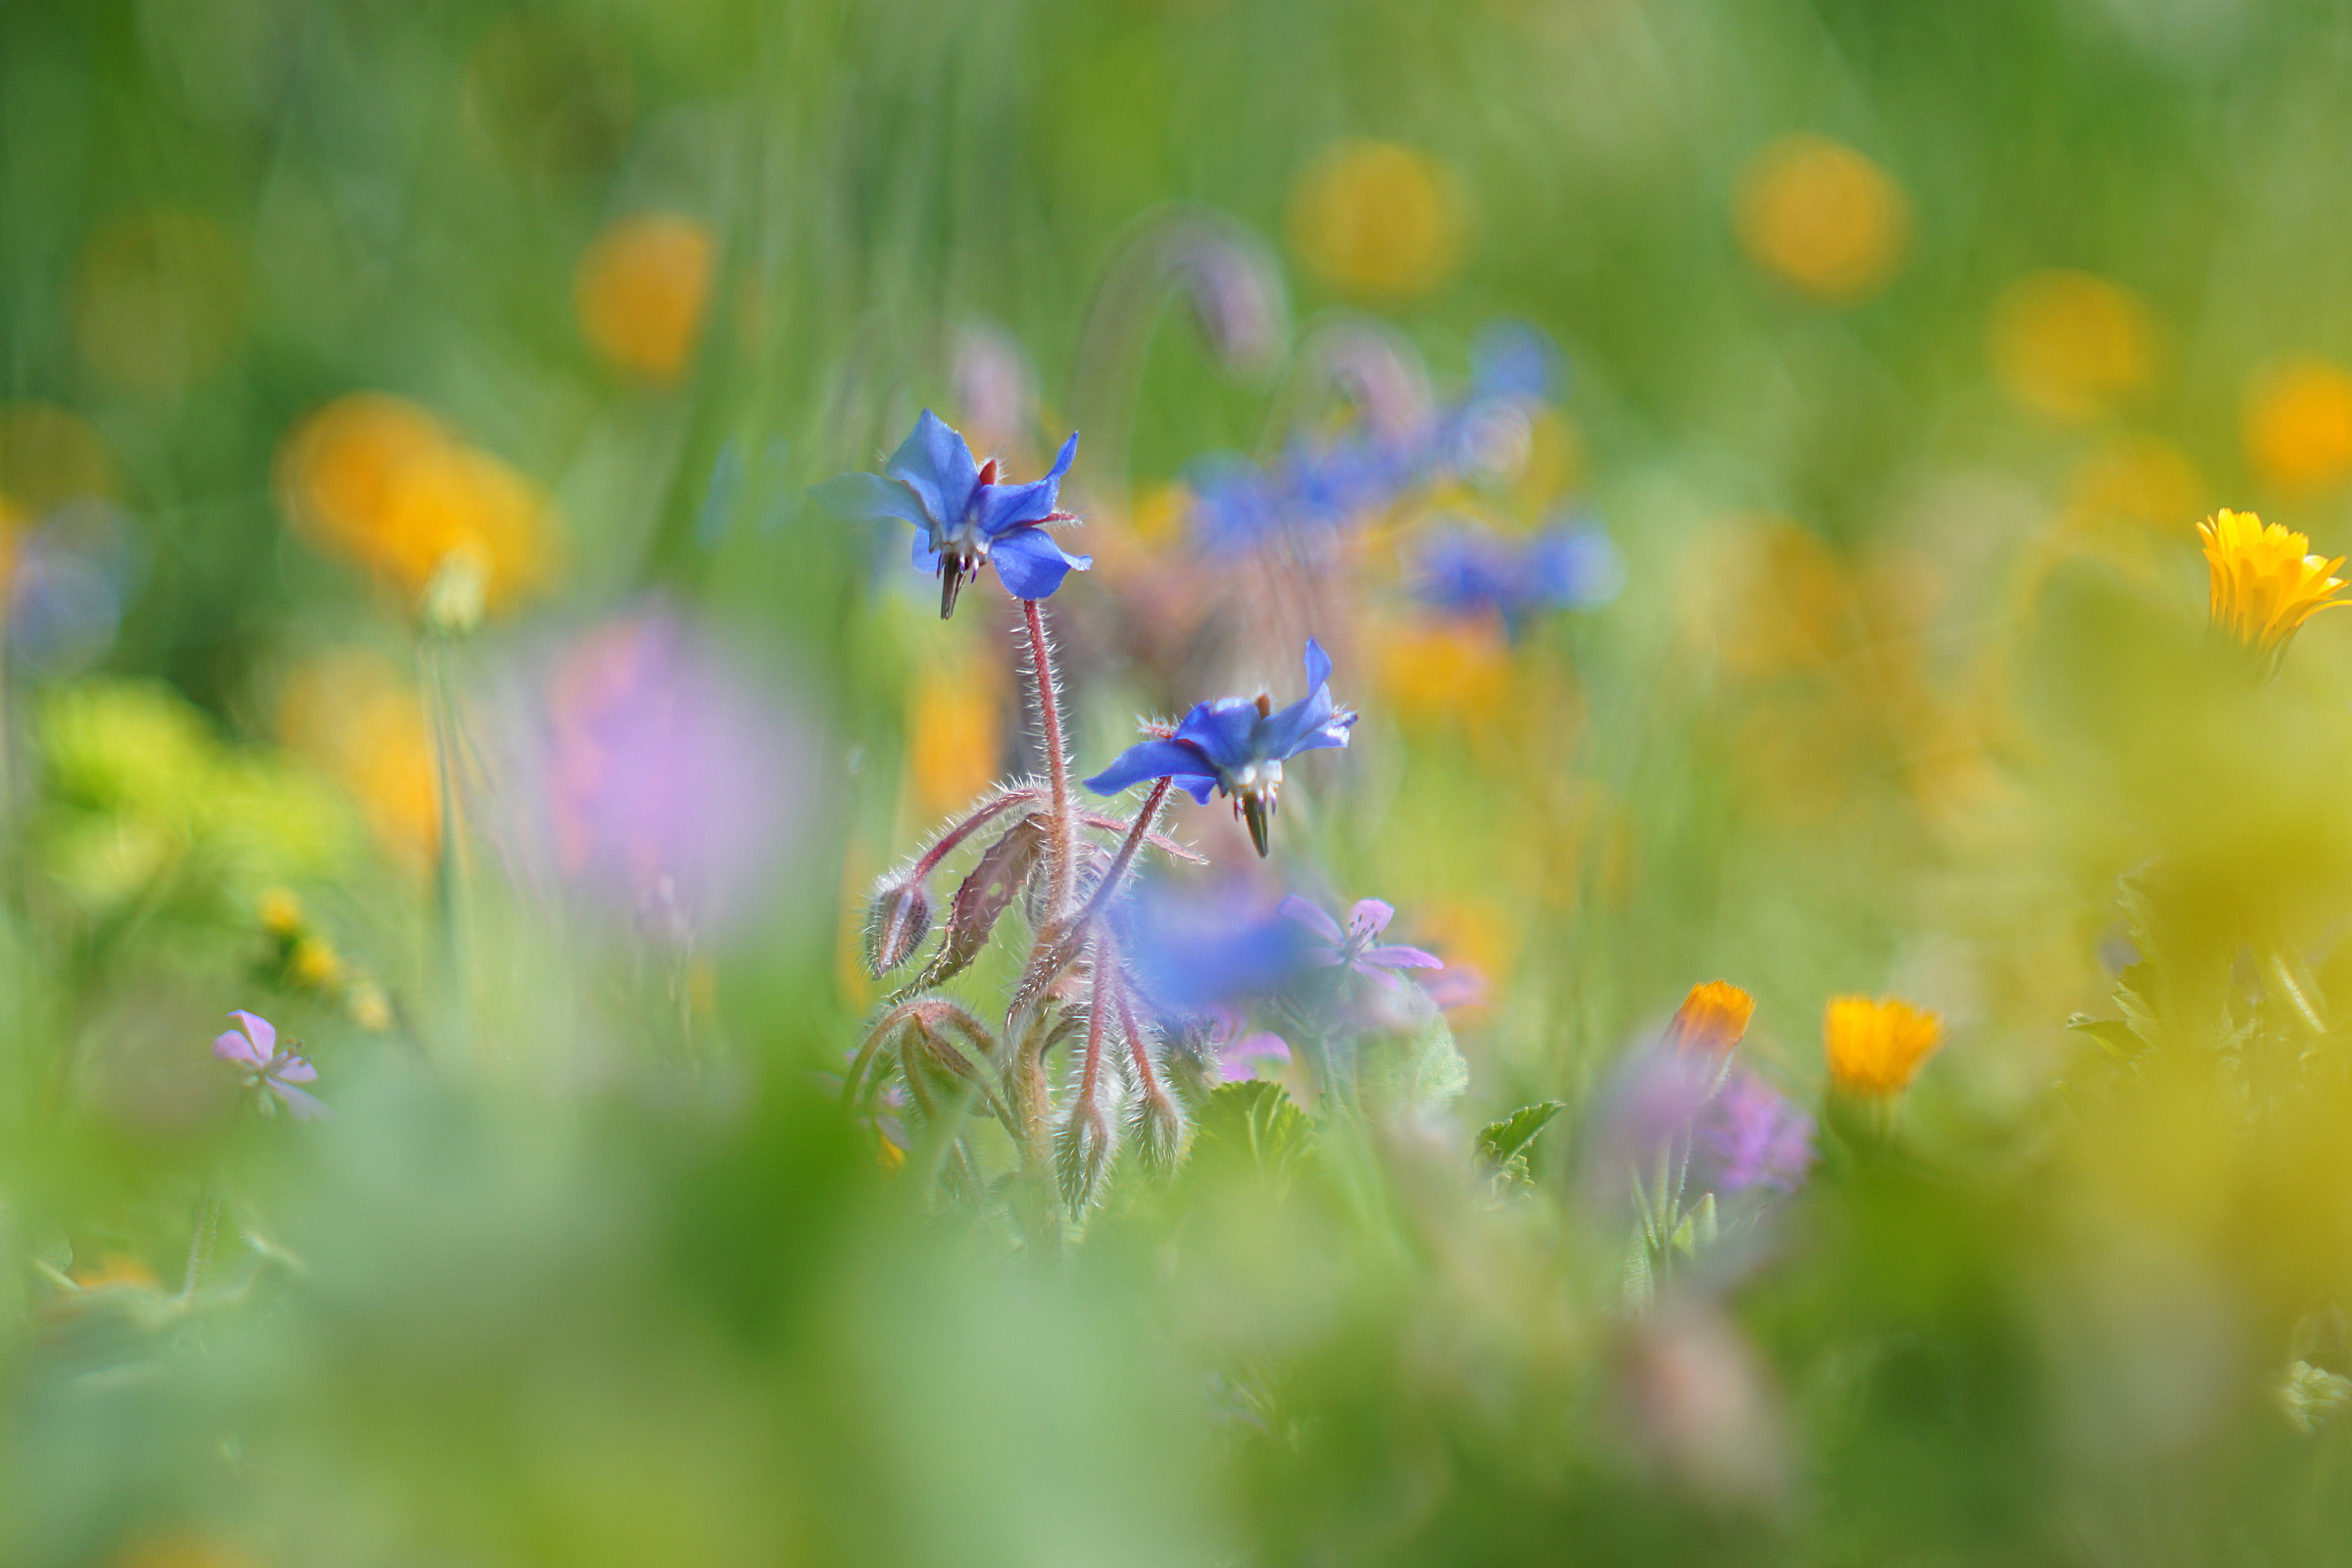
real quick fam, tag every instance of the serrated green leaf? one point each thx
(1253, 1125)
(1635, 1280)
(1414, 1070)
(2116, 1037)
(1504, 1141)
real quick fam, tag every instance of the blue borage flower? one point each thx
(1475, 571)
(1237, 746)
(1311, 488)
(963, 516)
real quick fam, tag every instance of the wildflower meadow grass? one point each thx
(1181, 782)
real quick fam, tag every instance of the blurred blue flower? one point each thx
(1471, 571)
(72, 576)
(1515, 359)
(1237, 746)
(965, 519)
(251, 1049)
(1314, 487)
(1194, 950)
(1355, 947)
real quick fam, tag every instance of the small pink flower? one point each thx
(1354, 946)
(1242, 1056)
(251, 1049)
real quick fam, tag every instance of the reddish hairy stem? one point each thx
(1134, 840)
(967, 827)
(1091, 1072)
(1144, 1076)
(1057, 762)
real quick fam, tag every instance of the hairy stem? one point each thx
(1147, 1080)
(1107, 889)
(1090, 1071)
(971, 824)
(1065, 844)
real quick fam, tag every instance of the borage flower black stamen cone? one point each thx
(1236, 745)
(964, 518)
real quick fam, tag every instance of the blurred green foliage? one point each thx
(1900, 428)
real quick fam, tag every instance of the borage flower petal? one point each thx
(1242, 743)
(964, 518)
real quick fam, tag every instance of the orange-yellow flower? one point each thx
(1877, 1047)
(2069, 344)
(349, 714)
(2265, 581)
(382, 482)
(1378, 218)
(1823, 218)
(641, 292)
(954, 743)
(2298, 425)
(1712, 1017)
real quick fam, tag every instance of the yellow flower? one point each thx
(1378, 218)
(2069, 344)
(2265, 581)
(349, 714)
(1818, 215)
(369, 1007)
(382, 482)
(954, 732)
(114, 1268)
(641, 292)
(1712, 1017)
(1877, 1047)
(2298, 426)
(1440, 673)
(2136, 480)
(281, 912)
(316, 965)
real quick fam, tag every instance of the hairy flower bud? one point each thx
(1159, 1127)
(896, 924)
(1083, 1149)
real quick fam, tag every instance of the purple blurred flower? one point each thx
(996, 390)
(1476, 571)
(1751, 1136)
(964, 518)
(1354, 946)
(668, 782)
(1237, 746)
(1242, 1053)
(1722, 1130)
(251, 1049)
(1646, 1115)
(1234, 287)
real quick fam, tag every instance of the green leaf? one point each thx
(1412, 1070)
(1507, 1140)
(1253, 1125)
(2116, 1037)
(1636, 1279)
